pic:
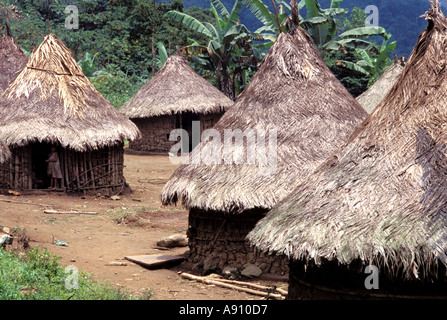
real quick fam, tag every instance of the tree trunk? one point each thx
(224, 82)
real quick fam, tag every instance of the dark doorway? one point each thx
(40, 152)
(187, 125)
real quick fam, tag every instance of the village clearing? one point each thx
(107, 229)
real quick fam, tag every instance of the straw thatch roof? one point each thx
(12, 61)
(293, 93)
(377, 92)
(381, 198)
(53, 101)
(176, 88)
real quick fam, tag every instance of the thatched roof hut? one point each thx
(381, 198)
(52, 102)
(378, 91)
(176, 88)
(293, 95)
(12, 61)
(173, 98)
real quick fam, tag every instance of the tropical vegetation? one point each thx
(38, 275)
(121, 44)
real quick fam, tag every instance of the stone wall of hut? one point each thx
(155, 131)
(83, 172)
(218, 240)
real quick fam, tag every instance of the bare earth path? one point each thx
(96, 240)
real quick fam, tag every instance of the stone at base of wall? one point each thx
(217, 262)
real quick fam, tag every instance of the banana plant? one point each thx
(320, 24)
(162, 54)
(273, 22)
(355, 39)
(88, 63)
(226, 37)
(372, 65)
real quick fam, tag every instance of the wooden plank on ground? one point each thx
(156, 261)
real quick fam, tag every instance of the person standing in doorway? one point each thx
(54, 168)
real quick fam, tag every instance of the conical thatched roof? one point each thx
(174, 89)
(293, 93)
(381, 198)
(378, 91)
(53, 101)
(12, 61)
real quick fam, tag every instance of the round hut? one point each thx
(378, 91)
(298, 110)
(174, 98)
(51, 103)
(12, 61)
(378, 205)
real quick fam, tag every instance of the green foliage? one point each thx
(320, 23)
(88, 63)
(323, 25)
(38, 275)
(119, 45)
(355, 82)
(355, 19)
(372, 65)
(124, 32)
(162, 54)
(273, 22)
(228, 49)
(400, 18)
(115, 86)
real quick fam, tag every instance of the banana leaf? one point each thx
(188, 21)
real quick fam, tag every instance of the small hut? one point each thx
(12, 61)
(378, 91)
(52, 103)
(381, 199)
(293, 98)
(174, 98)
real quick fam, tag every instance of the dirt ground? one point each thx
(96, 240)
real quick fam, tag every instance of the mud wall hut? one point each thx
(174, 98)
(294, 98)
(52, 103)
(12, 61)
(380, 200)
